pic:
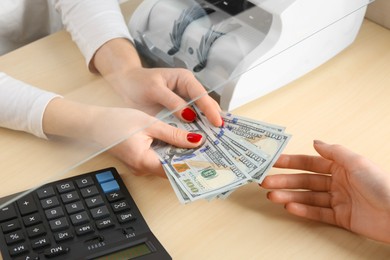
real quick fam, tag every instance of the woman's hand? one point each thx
(343, 189)
(142, 88)
(129, 132)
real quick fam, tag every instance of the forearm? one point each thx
(116, 56)
(92, 23)
(96, 124)
(66, 118)
(22, 106)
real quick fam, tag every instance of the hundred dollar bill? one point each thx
(251, 158)
(243, 132)
(180, 194)
(237, 121)
(202, 172)
(247, 152)
(254, 160)
(269, 141)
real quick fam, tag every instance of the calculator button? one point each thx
(55, 251)
(70, 197)
(100, 212)
(54, 213)
(17, 250)
(50, 203)
(32, 219)
(85, 229)
(104, 176)
(89, 192)
(10, 226)
(14, 237)
(62, 236)
(110, 186)
(125, 217)
(114, 196)
(128, 230)
(27, 205)
(7, 213)
(79, 218)
(35, 231)
(74, 207)
(93, 240)
(94, 201)
(84, 182)
(120, 206)
(104, 223)
(45, 192)
(58, 224)
(29, 256)
(40, 242)
(65, 187)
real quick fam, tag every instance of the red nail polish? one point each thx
(223, 122)
(194, 138)
(188, 114)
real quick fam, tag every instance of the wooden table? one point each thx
(344, 101)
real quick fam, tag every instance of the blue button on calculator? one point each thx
(104, 176)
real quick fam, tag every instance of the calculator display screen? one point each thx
(129, 253)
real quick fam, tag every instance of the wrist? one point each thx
(68, 119)
(115, 56)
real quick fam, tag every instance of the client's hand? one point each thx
(346, 190)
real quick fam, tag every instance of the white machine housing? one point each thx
(242, 50)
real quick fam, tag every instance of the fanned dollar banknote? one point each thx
(242, 151)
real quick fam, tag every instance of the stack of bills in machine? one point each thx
(240, 152)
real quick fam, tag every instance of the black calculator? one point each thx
(89, 216)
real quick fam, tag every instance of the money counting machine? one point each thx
(242, 50)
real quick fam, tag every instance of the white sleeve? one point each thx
(22, 105)
(92, 23)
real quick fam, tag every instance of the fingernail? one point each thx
(318, 142)
(223, 122)
(188, 114)
(194, 138)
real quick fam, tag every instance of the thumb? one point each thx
(334, 152)
(175, 136)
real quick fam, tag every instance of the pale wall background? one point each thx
(379, 12)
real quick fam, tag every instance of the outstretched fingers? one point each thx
(306, 181)
(322, 214)
(318, 199)
(304, 162)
